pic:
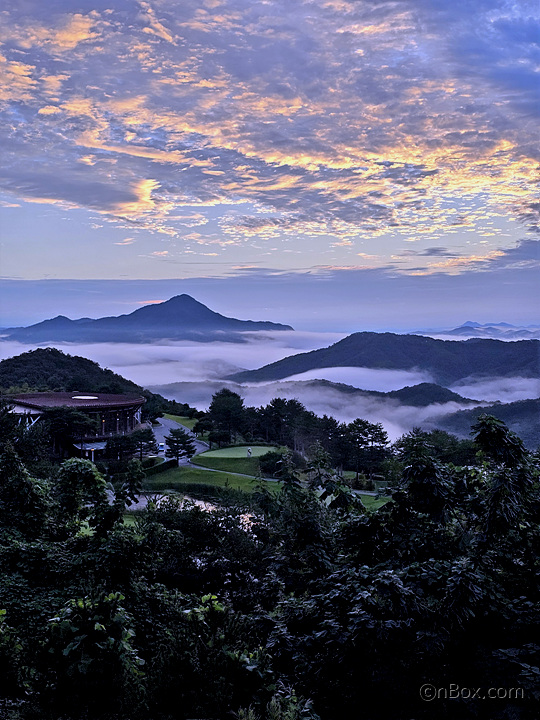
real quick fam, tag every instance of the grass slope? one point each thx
(233, 459)
(176, 478)
(239, 451)
(182, 419)
(373, 503)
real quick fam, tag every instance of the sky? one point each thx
(336, 165)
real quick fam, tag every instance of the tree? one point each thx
(203, 425)
(509, 474)
(226, 412)
(367, 442)
(425, 478)
(79, 489)
(445, 447)
(120, 447)
(144, 441)
(67, 425)
(497, 442)
(281, 421)
(92, 656)
(179, 444)
(219, 437)
(8, 422)
(23, 501)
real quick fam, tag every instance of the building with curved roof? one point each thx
(115, 414)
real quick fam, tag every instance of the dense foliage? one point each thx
(288, 606)
(360, 445)
(47, 369)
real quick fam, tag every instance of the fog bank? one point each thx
(366, 378)
(167, 362)
(191, 372)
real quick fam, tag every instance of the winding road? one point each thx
(165, 426)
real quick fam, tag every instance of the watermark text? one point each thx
(429, 692)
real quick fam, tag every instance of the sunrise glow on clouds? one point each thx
(184, 139)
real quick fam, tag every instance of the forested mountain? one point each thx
(425, 394)
(50, 369)
(421, 395)
(445, 360)
(180, 318)
(523, 417)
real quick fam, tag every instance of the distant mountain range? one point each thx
(180, 318)
(500, 331)
(446, 361)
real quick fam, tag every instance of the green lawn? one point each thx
(175, 478)
(239, 451)
(185, 421)
(373, 503)
(182, 477)
(246, 466)
(233, 459)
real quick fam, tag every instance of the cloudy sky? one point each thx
(333, 164)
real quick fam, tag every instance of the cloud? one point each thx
(190, 372)
(335, 123)
(365, 378)
(397, 419)
(182, 361)
(499, 389)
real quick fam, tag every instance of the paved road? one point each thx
(163, 429)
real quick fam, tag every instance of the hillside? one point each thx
(180, 318)
(445, 360)
(522, 417)
(420, 395)
(50, 369)
(425, 394)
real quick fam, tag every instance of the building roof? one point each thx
(91, 445)
(74, 399)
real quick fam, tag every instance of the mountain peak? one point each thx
(180, 317)
(183, 299)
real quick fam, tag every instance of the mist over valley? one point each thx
(187, 352)
(191, 372)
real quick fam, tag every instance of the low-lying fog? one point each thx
(366, 378)
(191, 372)
(169, 362)
(396, 418)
